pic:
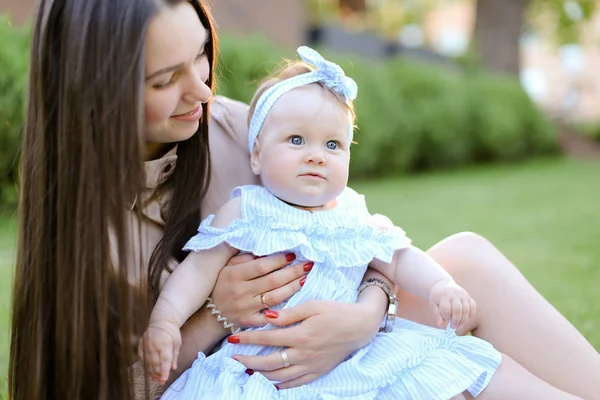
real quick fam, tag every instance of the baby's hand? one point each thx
(159, 349)
(451, 304)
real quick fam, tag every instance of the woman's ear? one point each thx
(255, 158)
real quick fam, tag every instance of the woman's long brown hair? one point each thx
(72, 317)
(190, 179)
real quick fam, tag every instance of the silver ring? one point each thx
(263, 300)
(284, 358)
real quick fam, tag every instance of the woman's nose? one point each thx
(198, 90)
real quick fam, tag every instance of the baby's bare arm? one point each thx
(192, 281)
(413, 270)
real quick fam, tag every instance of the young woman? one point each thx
(115, 178)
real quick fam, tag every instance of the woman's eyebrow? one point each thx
(164, 70)
(177, 66)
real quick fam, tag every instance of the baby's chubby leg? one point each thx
(512, 381)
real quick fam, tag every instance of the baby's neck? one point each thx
(327, 206)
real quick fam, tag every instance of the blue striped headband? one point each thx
(330, 74)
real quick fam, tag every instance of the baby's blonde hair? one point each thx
(290, 70)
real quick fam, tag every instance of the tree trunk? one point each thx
(498, 28)
(353, 5)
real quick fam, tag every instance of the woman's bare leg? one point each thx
(512, 316)
(512, 381)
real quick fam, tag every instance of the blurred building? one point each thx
(19, 10)
(561, 79)
(564, 81)
(284, 22)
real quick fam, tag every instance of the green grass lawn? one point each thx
(7, 247)
(543, 215)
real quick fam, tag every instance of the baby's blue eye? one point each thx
(296, 140)
(332, 145)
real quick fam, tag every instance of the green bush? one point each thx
(504, 123)
(588, 129)
(410, 116)
(243, 64)
(14, 42)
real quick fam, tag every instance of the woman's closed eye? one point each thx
(200, 56)
(173, 78)
(296, 140)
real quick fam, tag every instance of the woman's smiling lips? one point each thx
(191, 116)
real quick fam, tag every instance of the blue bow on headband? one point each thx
(328, 73)
(332, 74)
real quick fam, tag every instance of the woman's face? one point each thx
(177, 69)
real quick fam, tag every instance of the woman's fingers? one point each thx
(270, 362)
(279, 278)
(240, 259)
(302, 380)
(276, 296)
(289, 316)
(273, 337)
(284, 374)
(262, 266)
(271, 366)
(237, 292)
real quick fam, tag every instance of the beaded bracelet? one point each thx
(227, 325)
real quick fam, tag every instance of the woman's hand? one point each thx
(246, 284)
(328, 332)
(237, 295)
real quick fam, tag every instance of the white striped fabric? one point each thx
(412, 362)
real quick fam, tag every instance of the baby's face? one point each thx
(303, 150)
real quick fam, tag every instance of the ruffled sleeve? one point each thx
(336, 237)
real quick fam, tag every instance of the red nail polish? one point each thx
(270, 314)
(250, 371)
(290, 257)
(233, 339)
(308, 266)
(277, 387)
(302, 281)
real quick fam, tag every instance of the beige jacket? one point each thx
(230, 168)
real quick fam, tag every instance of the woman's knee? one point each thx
(469, 256)
(461, 242)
